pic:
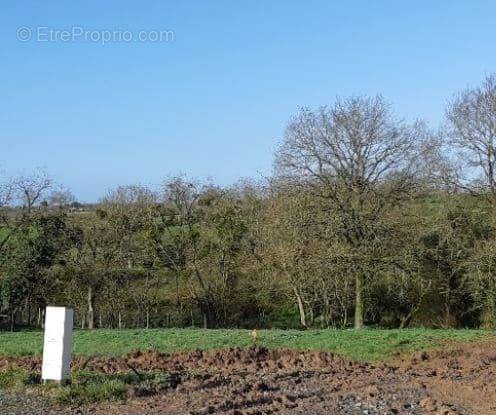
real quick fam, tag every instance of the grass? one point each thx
(365, 345)
(15, 379)
(86, 387)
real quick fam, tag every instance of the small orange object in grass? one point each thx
(254, 335)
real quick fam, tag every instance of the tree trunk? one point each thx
(404, 321)
(29, 312)
(12, 320)
(301, 308)
(91, 312)
(120, 320)
(359, 303)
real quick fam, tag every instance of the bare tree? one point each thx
(175, 236)
(356, 155)
(472, 130)
(434, 168)
(6, 196)
(61, 198)
(31, 189)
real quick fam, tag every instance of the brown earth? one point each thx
(459, 380)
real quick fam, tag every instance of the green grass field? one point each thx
(367, 345)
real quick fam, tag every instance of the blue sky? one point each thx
(213, 103)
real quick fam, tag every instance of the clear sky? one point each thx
(213, 101)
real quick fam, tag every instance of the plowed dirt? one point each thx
(459, 380)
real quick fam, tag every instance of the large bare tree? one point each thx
(472, 130)
(360, 158)
(24, 190)
(31, 189)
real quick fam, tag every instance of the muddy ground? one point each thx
(458, 380)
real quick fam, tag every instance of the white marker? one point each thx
(57, 345)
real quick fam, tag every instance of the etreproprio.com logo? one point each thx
(80, 34)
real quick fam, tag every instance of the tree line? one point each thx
(366, 220)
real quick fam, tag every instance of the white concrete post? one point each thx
(57, 345)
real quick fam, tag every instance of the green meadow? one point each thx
(366, 345)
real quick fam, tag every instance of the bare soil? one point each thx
(459, 380)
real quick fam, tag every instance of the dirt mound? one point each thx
(458, 381)
(463, 373)
(252, 359)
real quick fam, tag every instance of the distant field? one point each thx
(362, 345)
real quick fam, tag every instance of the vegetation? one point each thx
(86, 387)
(367, 221)
(366, 345)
